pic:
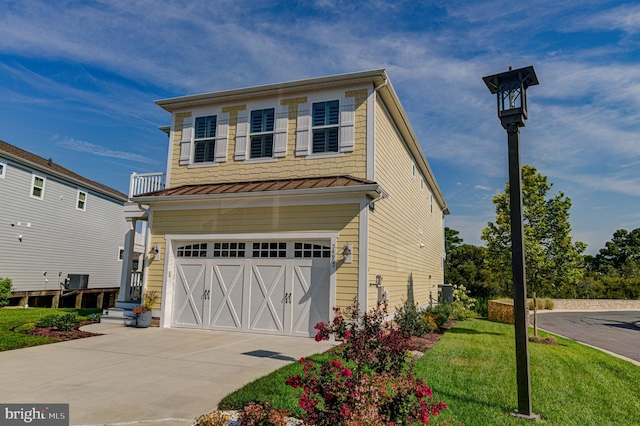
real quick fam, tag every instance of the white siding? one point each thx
(57, 237)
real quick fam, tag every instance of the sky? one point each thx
(78, 81)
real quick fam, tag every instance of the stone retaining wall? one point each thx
(503, 311)
(595, 305)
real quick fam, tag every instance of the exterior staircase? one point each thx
(121, 314)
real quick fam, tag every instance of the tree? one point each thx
(553, 261)
(451, 240)
(621, 254)
(467, 265)
(5, 291)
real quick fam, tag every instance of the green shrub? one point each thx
(481, 306)
(67, 321)
(441, 314)
(461, 313)
(61, 322)
(548, 304)
(539, 304)
(5, 291)
(48, 321)
(410, 320)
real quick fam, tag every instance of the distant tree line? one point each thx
(555, 264)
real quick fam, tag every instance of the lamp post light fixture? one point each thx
(511, 90)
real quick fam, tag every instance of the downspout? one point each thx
(383, 194)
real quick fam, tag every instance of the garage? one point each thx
(275, 287)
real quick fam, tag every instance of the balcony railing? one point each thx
(141, 183)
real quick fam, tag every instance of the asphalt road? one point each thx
(614, 331)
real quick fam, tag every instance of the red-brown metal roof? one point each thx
(260, 186)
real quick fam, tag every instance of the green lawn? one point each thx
(12, 319)
(472, 369)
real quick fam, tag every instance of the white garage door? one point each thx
(279, 287)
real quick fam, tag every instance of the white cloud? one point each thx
(90, 148)
(483, 187)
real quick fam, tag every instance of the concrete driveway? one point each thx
(617, 332)
(156, 376)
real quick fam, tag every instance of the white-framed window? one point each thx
(325, 126)
(413, 170)
(37, 187)
(120, 253)
(308, 250)
(229, 249)
(192, 250)
(421, 184)
(3, 168)
(431, 203)
(261, 135)
(81, 201)
(269, 249)
(205, 139)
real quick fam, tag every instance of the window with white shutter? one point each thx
(205, 139)
(325, 117)
(262, 125)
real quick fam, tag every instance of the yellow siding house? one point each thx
(284, 200)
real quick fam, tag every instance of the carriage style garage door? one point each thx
(276, 287)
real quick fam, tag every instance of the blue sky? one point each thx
(78, 80)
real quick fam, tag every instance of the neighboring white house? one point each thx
(61, 235)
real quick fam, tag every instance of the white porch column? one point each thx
(127, 261)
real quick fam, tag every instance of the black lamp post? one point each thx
(511, 89)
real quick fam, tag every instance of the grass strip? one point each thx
(472, 369)
(13, 320)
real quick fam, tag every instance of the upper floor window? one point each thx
(37, 187)
(262, 123)
(325, 116)
(3, 167)
(204, 139)
(81, 203)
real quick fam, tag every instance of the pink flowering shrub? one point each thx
(333, 395)
(262, 415)
(369, 340)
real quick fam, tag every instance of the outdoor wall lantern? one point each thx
(347, 252)
(511, 90)
(155, 250)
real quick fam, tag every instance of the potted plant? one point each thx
(143, 312)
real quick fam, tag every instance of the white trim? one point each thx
(201, 165)
(363, 257)
(371, 134)
(264, 200)
(252, 236)
(86, 196)
(3, 170)
(33, 183)
(331, 154)
(121, 250)
(260, 160)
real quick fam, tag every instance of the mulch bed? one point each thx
(74, 333)
(428, 341)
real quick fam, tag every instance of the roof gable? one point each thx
(33, 161)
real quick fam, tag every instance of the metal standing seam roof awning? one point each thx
(293, 186)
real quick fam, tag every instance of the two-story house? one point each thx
(285, 200)
(61, 239)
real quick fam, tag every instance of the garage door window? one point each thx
(307, 250)
(270, 249)
(229, 249)
(193, 250)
